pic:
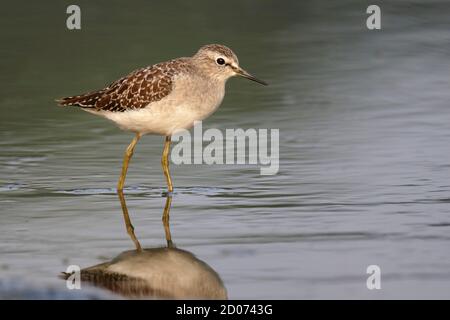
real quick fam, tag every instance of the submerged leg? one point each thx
(165, 163)
(126, 161)
(128, 225)
(165, 220)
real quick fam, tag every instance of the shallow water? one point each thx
(364, 147)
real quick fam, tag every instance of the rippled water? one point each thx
(364, 147)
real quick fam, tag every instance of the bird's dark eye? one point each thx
(220, 61)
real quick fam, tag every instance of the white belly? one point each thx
(148, 121)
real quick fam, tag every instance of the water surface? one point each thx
(364, 146)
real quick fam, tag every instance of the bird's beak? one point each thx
(241, 72)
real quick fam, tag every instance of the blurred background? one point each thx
(364, 145)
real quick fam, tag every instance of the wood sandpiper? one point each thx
(164, 98)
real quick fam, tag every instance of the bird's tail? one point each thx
(87, 100)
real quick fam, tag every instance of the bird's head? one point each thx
(220, 62)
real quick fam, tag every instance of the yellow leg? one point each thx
(126, 161)
(165, 220)
(165, 163)
(129, 226)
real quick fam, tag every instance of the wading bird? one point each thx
(164, 98)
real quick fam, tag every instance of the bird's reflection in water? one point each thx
(167, 272)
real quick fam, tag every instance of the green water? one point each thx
(364, 135)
